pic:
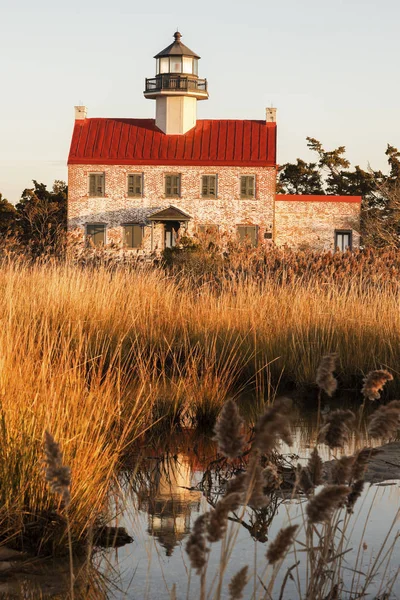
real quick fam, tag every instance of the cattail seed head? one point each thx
(320, 507)
(229, 431)
(325, 379)
(281, 544)
(57, 475)
(238, 583)
(374, 382)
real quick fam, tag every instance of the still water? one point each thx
(170, 483)
(168, 491)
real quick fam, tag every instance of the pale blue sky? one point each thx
(331, 69)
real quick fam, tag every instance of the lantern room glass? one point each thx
(175, 64)
(188, 65)
(163, 65)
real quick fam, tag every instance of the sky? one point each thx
(330, 68)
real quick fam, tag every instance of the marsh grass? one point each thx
(99, 355)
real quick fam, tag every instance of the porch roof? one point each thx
(170, 214)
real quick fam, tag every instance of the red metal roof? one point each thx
(310, 198)
(140, 142)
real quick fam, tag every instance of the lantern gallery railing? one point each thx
(175, 82)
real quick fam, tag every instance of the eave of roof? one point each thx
(316, 198)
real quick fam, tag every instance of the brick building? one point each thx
(139, 183)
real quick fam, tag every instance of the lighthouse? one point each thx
(176, 88)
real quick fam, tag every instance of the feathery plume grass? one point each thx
(237, 484)
(218, 516)
(272, 479)
(229, 431)
(374, 382)
(196, 547)
(256, 484)
(321, 506)
(281, 544)
(57, 475)
(274, 424)
(335, 430)
(325, 379)
(238, 583)
(385, 421)
(362, 458)
(342, 470)
(356, 490)
(314, 468)
(310, 476)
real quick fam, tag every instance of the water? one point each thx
(166, 489)
(164, 497)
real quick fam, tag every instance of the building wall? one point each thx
(227, 210)
(305, 223)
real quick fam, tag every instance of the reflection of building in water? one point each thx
(168, 501)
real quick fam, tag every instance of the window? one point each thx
(248, 234)
(96, 234)
(210, 230)
(209, 186)
(172, 186)
(247, 187)
(96, 184)
(133, 235)
(175, 64)
(342, 240)
(164, 65)
(187, 64)
(135, 185)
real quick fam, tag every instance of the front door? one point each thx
(171, 229)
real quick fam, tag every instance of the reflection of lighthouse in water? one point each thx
(168, 502)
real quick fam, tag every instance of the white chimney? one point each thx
(270, 115)
(80, 113)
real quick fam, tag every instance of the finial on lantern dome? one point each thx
(177, 36)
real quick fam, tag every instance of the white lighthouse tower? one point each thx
(176, 88)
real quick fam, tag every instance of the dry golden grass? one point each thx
(96, 356)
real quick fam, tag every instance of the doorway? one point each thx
(171, 229)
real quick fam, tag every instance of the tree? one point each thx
(380, 209)
(300, 178)
(42, 215)
(334, 163)
(8, 217)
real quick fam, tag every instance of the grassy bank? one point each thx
(98, 356)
